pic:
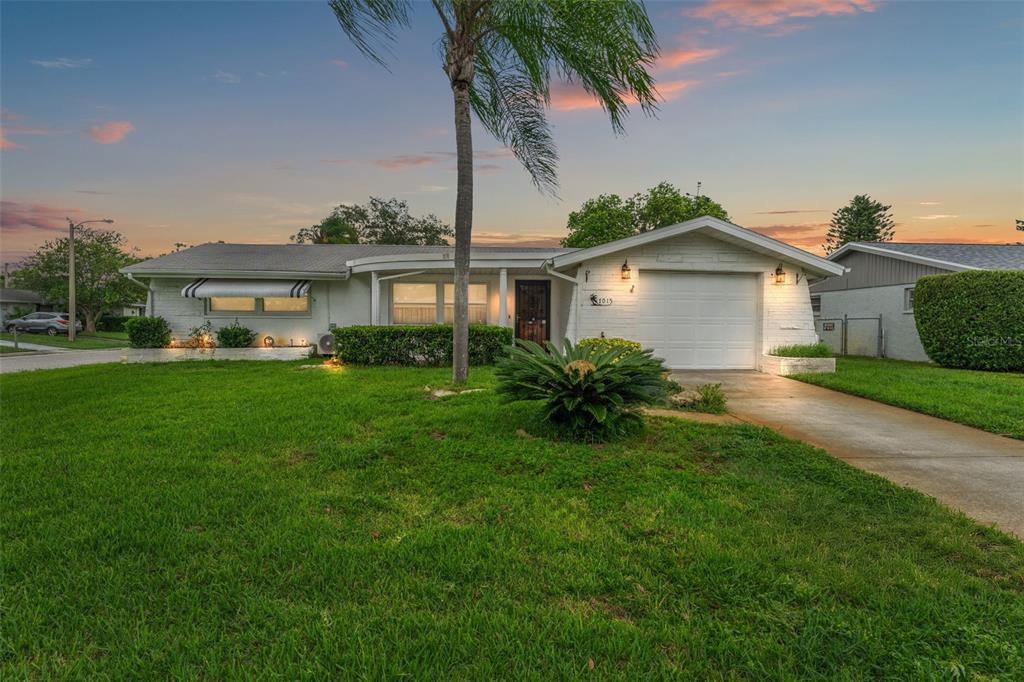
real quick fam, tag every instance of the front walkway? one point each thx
(16, 362)
(979, 473)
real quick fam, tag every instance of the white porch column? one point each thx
(503, 297)
(374, 298)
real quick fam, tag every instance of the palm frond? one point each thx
(371, 24)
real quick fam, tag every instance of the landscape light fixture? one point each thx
(268, 341)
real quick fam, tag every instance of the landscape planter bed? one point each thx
(783, 366)
(179, 354)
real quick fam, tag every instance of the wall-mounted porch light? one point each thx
(780, 275)
(626, 271)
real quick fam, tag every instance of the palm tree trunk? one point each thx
(463, 230)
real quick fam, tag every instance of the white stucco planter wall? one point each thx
(178, 354)
(783, 367)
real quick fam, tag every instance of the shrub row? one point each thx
(972, 319)
(147, 332)
(600, 345)
(418, 345)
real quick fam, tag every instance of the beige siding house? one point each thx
(705, 294)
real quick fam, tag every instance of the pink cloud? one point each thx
(673, 59)
(8, 144)
(340, 63)
(762, 13)
(110, 133)
(20, 217)
(567, 97)
(406, 161)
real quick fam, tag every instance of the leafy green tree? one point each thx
(331, 230)
(608, 217)
(99, 287)
(599, 220)
(499, 57)
(862, 220)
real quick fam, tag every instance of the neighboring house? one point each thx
(880, 284)
(704, 294)
(133, 310)
(14, 300)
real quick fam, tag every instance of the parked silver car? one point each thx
(48, 323)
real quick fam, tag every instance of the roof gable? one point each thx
(721, 229)
(951, 257)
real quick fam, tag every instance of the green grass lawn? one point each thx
(84, 340)
(8, 349)
(992, 401)
(231, 519)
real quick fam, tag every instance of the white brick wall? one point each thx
(785, 310)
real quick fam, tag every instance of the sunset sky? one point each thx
(244, 122)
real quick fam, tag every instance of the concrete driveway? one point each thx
(979, 473)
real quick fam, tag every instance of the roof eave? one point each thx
(235, 274)
(909, 257)
(813, 264)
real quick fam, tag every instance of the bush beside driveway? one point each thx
(335, 523)
(992, 401)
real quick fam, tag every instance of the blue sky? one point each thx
(192, 122)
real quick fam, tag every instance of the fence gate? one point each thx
(852, 335)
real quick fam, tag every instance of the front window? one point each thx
(232, 304)
(908, 299)
(286, 304)
(413, 303)
(477, 303)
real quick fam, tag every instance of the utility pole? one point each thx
(73, 320)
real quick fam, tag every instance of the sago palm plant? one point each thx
(589, 393)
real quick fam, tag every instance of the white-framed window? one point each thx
(252, 307)
(285, 304)
(816, 305)
(431, 303)
(232, 304)
(477, 303)
(908, 300)
(413, 303)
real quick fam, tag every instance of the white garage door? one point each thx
(698, 320)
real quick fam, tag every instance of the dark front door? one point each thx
(533, 310)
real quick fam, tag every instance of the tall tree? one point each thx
(599, 220)
(499, 56)
(331, 230)
(99, 287)
(608, 217)
(862, 220)
(381, 221)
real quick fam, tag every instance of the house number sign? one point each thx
(600, 300)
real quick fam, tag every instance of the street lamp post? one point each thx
(72, 226)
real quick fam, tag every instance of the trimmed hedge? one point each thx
(972, 319)
(418, 344)
(147, 332)
(803, 350)
(111, 323)
(601, 344)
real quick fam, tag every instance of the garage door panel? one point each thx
(698, 320)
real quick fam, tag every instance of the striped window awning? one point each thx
(247, 288)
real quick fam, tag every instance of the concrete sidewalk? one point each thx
(32, 346)
(17, 362)
(977, 472)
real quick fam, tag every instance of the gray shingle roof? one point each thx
(19, 296)
(985, 256)
(311, 258)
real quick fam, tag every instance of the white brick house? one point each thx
(705, 294)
